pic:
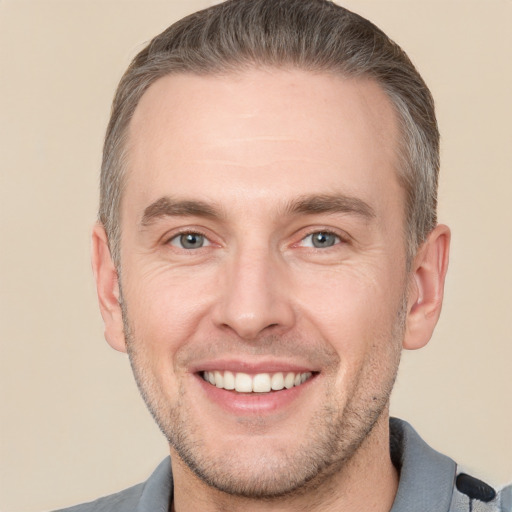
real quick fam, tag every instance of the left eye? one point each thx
(189, 241)
(320, 240)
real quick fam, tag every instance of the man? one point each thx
(267, 244)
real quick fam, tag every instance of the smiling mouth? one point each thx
(258, 383)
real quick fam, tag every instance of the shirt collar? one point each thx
(158, 490)
(426, 476)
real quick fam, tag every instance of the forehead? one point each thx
(265, 132)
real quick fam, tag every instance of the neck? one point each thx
(367, 481)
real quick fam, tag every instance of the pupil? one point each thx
(191, 241)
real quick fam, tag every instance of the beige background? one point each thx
(72, 424)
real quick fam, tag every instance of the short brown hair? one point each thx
(315, 35)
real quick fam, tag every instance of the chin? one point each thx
(270, 468)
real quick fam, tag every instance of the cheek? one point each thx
(347, 300)
(356, 313)
(164, 307)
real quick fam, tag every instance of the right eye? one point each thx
(320, 240)
(189, 241)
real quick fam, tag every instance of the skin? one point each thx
(256, 163)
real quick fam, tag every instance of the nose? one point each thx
(254, 297)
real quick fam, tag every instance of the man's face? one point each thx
(262, 245)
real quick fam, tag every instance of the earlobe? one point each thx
(107, 286)
(426, 288)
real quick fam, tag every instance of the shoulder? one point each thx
(153, 494)
(430, 481)
(475, 495)
(126, 500)
(506, 498)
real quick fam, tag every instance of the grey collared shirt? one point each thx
(427, 483)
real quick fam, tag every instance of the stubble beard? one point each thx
(335, 433)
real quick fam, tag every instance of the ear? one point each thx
(426, 288)
(107, 286)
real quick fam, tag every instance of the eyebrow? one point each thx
(308, 205)
(326, 203)
(167, 207)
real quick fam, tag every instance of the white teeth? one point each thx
(259, 383)
(277, 382)
(219, 379)
(289, 380)
(243, 383)
(229, 380)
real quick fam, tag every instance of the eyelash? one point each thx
(177, 236)
(327, 232)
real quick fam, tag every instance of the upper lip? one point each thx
(251, 367)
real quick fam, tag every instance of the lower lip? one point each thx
(253, 403)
